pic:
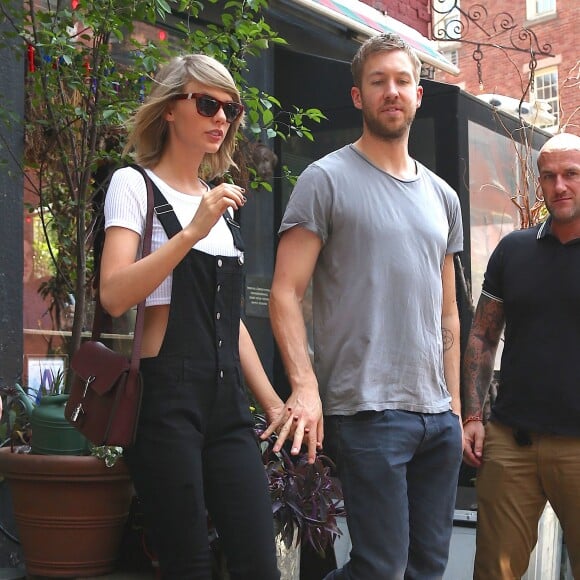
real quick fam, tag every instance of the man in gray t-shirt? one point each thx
(376, 232)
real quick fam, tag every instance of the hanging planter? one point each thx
(70, 511)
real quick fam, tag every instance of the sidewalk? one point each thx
(17, 574)
(126, 576)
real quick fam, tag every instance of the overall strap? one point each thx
(162, 208)
(235, 229)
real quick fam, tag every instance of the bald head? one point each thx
(559, 166)
(560, 142)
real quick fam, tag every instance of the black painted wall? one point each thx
(11, 195)
(11, 260)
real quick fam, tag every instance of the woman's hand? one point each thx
(213, 205)
(276, 412)
(301, 421)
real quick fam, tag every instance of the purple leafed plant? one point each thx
(306, 498)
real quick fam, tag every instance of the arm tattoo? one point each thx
(479, 357)
(448, 339)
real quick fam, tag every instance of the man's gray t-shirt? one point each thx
(377, 290)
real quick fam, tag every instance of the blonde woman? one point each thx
(195, 452)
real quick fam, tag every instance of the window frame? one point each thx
(532, 11)
(553, 100)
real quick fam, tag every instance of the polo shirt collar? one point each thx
(545, 230)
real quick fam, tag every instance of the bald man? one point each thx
(529, 451)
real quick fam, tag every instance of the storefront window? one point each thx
(43, 341)
(496, 189)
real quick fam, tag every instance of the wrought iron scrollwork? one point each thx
(476, 26)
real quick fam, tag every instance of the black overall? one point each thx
(195, 446)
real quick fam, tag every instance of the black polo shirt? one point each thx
(538, 280)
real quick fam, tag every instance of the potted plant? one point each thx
(61, 500)
(306, 502)
(306, 498)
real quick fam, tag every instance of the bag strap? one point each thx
(101, 317)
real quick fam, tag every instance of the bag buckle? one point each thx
(79, 408)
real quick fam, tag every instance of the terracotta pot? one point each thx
(70, 512)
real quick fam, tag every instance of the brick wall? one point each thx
(507, 78)
(414, 13)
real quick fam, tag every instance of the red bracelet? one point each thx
(472, 418)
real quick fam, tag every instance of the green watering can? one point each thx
(52, 434)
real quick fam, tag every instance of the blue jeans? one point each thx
(399, 475)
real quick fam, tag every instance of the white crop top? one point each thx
(126, 207)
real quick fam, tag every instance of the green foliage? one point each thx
(15, 421)
(88, 70)
(15, 428)
(108, 453)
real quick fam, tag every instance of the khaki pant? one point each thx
(513, 485)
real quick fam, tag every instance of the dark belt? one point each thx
(522, 437)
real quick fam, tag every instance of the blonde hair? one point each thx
(148, 128)
(385, 42)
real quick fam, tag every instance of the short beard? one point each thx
(379, 130)
(570, 217)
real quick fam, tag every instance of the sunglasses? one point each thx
(208, 106)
